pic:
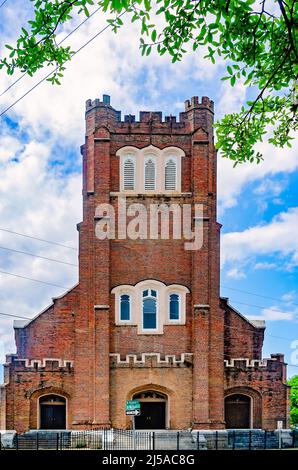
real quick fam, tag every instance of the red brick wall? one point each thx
(241, 338)
(266, 385)
(51, 334)
(80, 325)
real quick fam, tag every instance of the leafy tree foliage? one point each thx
(258, 41)
(294, 400)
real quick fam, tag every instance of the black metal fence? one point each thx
(120, 439)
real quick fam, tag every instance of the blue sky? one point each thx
(40, 184)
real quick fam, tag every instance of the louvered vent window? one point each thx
(149, 175)
(129, 175)
(170, 175)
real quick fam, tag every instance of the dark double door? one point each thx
(237, 412)
(153, 415)
(52, 417)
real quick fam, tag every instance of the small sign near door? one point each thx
(132, 405)
(133, 412)
(133, 408)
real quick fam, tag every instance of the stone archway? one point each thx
(42, 395)
(52, 412)
(243, 408)
(154, 410)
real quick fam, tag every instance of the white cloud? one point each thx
(232, 181)
(289, 296)
(35, 200)
(236, 274)
(276, 237)
(274, 313)
(265, 265)
(269, 187)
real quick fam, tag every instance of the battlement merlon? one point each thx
(197, 114)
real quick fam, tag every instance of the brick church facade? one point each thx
(146, 320)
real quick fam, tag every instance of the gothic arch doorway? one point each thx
(52, 412)
(154, 410)
(238, 411)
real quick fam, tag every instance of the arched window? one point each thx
(124, 307)
(171, 174)
(129, 174)
(150, 174)
(149, 309)
(174, 307)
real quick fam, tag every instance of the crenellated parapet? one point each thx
(151, 360)
(100, 112)
(240, 363)
(37, 364)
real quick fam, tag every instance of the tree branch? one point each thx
(289, 25)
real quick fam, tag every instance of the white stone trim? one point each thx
(151, 355)
(136, 312)
(42, 362)
(160, 157)
(248, 362)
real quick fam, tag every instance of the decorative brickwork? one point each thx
(76, 350)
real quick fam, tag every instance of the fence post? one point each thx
(216, 440)
(234, 438)
(37, 442)
(294, 440)
(57, 443)
(178, 435)
(153, 440)
(265, 439)
(17, 442)
(249, 444)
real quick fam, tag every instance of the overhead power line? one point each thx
(33, 280)
(53, 71)
(64, 39)
(235, 301)
(258, 295)
(37, 256)
(132, 336)
(14, 316)
(3, 3)
(39, 239)
(263, 307)
(75, 249)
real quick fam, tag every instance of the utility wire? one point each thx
(75, 249)
(64, 39)
(53, 71)
(226, 326)
(15, 316)
(34, 280)
(38, 256)
(39, 239)
(258, 295)
(257, 306)
(263, 307)
(3, 3)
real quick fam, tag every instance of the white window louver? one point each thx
(129, 175)
(149, 175)
(170, 175)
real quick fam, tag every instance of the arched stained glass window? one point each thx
(125, 307)
(174, 307)
(149, 309)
